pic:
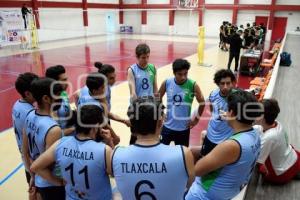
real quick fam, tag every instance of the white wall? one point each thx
(60, 23)
(61, 18)
(213, 20)
(288, 2)
(219, 1)
(248, 16)
(158, 1)
(132, 1)
(186, 23)
(98, 19)
(268, 2)
(293, 19)
(157, 22)
(133, 18)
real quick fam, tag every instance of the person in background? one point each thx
(242, 28)
(279, 161)
(109, 72)
(64, 113)
(248, 39)
(25, 11)
(221, 36)
(236, 43)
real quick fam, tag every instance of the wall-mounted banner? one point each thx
(11, 25)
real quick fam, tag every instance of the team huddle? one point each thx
(72, 153)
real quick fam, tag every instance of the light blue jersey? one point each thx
(20, 111)
(225, 183)
(144, 79)
(64, 111)
(218, 130)
(83, 167)
(37, 127)
(150, 172)
(108, 96)
(85, 98)
(179, 102)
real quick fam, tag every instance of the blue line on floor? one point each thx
(11, 174)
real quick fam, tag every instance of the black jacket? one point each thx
(236, 43)
(24, 11)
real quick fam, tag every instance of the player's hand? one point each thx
(32, 194)
(133, 97)
(105, 134)
(116, 140)
(263, 170)
(193, 122)
(32, 188)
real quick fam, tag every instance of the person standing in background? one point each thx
(236, 43)
(25, 11)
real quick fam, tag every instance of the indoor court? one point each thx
(76, 34)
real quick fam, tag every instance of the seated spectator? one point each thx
(279, 161)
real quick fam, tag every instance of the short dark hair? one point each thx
(180, 64)
(142, 49)
(243, 104)
(43, 86)
(94, 81)
(88, 115)
(144, 112)
(223, 73)
(23, 82)
(54, 71)
(104, 69)
(271, 111)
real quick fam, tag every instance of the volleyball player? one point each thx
(109, 72)
(20, 110)
(82, 160)
(149, 169)
(58, 73)
(142, 75)
(41, 131)
(93, 93)
(218, 130)
(180, 95)
(224, 172)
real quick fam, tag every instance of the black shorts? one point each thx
(52, 193)
(207, 146)
(28, 176)
(179, 137)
